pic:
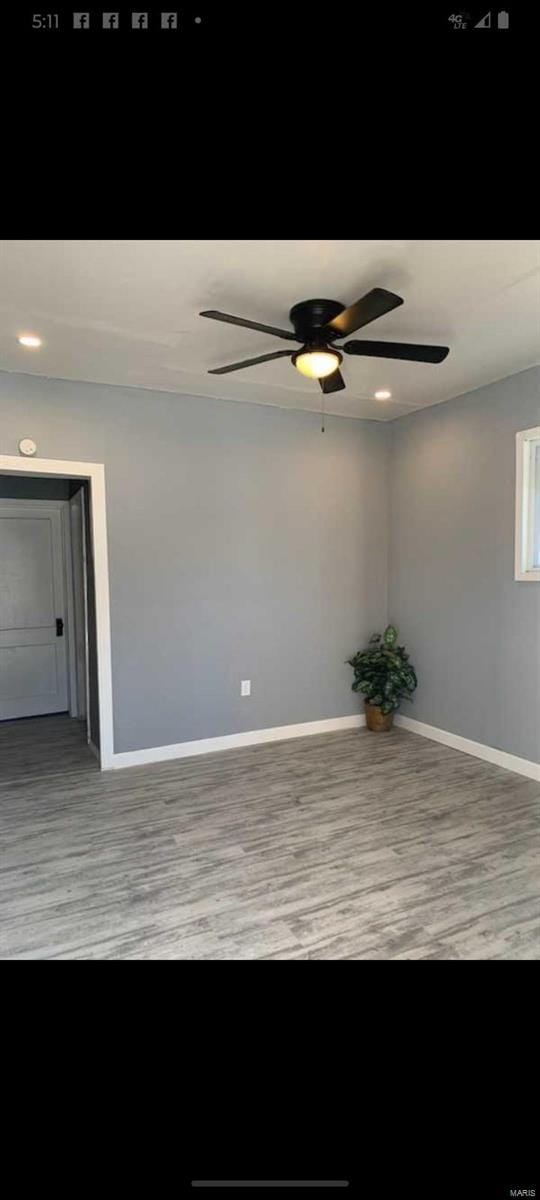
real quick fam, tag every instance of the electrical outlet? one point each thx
(245, 687)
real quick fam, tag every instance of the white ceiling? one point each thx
(126, 312)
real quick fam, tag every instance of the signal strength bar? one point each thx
(503, 21)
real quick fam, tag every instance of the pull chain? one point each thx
(322, 411)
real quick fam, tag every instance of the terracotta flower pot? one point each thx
(376, 720)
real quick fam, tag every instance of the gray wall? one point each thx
(243, 543)
(473, 632)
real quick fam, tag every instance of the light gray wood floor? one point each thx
(346, 845)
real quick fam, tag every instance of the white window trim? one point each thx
(526, 442)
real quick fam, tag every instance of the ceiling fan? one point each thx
(317, 325)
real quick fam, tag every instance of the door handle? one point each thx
(59, 627)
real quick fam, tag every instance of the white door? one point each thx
(33, 660)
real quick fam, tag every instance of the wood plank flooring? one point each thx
(345, 845)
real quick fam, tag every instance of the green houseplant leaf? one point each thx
(382, 671)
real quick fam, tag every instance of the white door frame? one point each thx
(76, 563)
(95, 474)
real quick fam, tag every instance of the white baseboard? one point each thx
(279, 733)
(510, 762)
(233, 741)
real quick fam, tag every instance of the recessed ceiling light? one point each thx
(383, 395)
(29, 340)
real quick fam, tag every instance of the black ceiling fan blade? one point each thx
(332, 383)
(251, 362)
(405, 350)
(374, 304)
(229, 320)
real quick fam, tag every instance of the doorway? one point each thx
(54, 600)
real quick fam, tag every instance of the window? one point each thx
(528, 505)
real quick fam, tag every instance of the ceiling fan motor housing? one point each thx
(309, 316)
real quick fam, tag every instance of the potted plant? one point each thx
(385, 676)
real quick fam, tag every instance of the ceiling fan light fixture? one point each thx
(317, 363)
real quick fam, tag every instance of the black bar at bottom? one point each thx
(275, 1183)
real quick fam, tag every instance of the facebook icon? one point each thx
(139, 20)
(81, 20)
(169, 20)
(111, 20)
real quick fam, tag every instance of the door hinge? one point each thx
(59, 627)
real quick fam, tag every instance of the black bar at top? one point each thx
(273, 1183)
